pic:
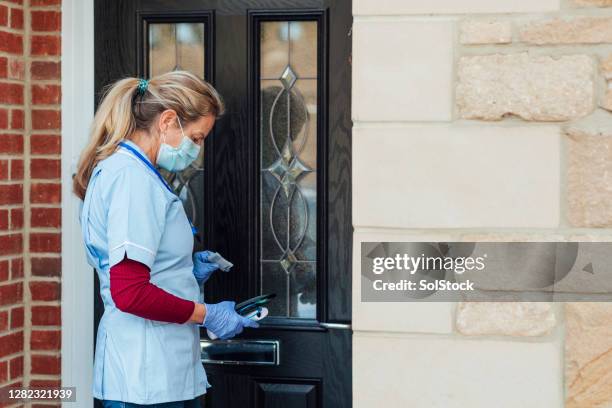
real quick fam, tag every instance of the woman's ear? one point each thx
(166, 119)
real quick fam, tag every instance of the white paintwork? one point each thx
(77, 275)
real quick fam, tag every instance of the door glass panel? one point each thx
(274, 48)
(288, 159)
(174, 46)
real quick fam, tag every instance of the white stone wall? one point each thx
(487, 121)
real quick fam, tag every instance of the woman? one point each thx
(139, 240)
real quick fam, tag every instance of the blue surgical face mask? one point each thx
(177, 158)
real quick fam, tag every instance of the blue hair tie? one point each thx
(142, 86)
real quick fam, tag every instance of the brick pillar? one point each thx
(12, 187)
(43, 270)
(30, 201)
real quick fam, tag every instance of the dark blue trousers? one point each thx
(193, 403)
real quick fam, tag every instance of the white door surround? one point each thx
(77, 276)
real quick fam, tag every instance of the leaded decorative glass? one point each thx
(288, 78)
(288, 159)
(174, 46)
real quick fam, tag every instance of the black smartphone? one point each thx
(251, 304)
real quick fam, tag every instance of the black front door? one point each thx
(272, 190)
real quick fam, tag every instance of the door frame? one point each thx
(254, 18)
(77, 110)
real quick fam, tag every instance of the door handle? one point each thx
(240, 352)
(336, 326)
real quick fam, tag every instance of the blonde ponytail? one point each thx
(124, 110)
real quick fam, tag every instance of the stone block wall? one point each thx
(481, 120)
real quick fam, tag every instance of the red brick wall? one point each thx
(30, 243)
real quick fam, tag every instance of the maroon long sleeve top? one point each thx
(133, 293)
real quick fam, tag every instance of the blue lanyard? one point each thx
(161, 178)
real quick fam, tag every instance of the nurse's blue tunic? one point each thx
(128, 210)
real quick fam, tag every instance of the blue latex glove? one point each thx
(222, 320)
(202, 269)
